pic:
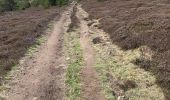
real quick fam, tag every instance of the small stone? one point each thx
(62, 65)
(67, 58)
(90, 23)
(35, 98)
(120, 98)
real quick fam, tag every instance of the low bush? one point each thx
(22, 4)
(9, 5)
(61, 2)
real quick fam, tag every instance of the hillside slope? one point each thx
(18, 31)
(133, 24)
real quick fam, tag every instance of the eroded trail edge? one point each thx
(43, 76)
(91, 89)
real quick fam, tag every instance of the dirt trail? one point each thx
(43, 78)
(91, 89)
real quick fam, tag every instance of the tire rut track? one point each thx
(43, 78)
(91, 89)
(44, 74)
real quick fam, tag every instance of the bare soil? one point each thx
(43, 75)
(134, 23)
(91, 87)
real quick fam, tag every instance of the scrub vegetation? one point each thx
(10, 5)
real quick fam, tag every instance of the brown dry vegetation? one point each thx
(134, 23)
(18, 31)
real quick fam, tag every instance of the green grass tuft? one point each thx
(34, 48)
(74, 54)
(111, 59)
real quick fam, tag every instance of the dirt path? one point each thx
(43, 78)
(43, 75)
(91, 89)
